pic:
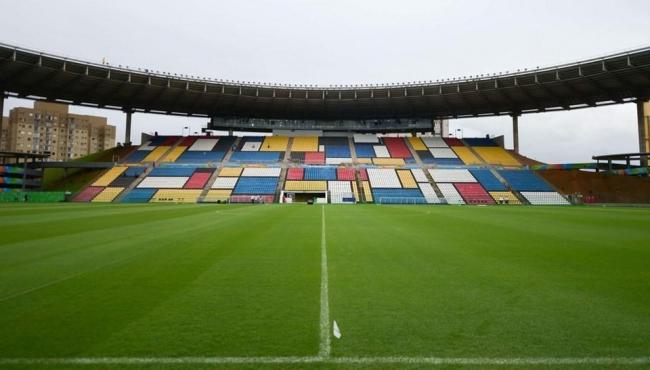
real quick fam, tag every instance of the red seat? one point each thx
(88, 194)
(197, 180)
(295, 173)
(363, 174)
(314, 158)
(345, 174)
(453, 141)
(473, 193)
(397, 148)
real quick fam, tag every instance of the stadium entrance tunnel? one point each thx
(304, 197)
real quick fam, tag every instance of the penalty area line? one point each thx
(514, 361)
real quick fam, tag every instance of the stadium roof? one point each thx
(611, 79)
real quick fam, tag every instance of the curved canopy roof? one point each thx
(611, 79)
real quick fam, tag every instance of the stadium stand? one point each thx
(107, 195)
(525, 180)
(497, 156)
(487, 179)
(473, 193)
(451, 194)
(504, 197)
(544, 198)
(451, 175)
(383, 178)
(249, 169)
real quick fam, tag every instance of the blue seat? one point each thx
(480, 141)
(136, 156)
(364, 150)
(525, 180)
(398, 196)
(446, 161)
(488, 180)
(337, 151)
(200, 157)
(172, 171)
(133, 171)
(255, 157)
(320, 173)
(256, 185)
(139, 196)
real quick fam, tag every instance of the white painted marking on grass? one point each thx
(325, 340)
(477, 361)
(336, 331)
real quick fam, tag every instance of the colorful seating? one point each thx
(220, 196)
(225, 182)
(398, 196)
(198, 179)
(451, 175)
(473, 193)
(320, 173)
(345, 174)
(203, 145)
(138, 196)
(466, 155)
(388, 161)
(383, 178)
(200, 157)
(433, 142)
(275, 144)
(87, 194)
(304, 144)
(429, 193)
(488, 180)
(295, 173)
(109, 176)
(163, 182)
(156, 154)
(397, 147)
(504, 197)
(364, 150)
(256, 186)
(175, 196)
(261, 172)
(480, 141)
(174, 154)
(315, 158)
(497, 155)
(108, 194)
(417, 143)
(544, 198)
(407, 179)
(172, 171)
(230, 172)
(525, 180)
(305, 186)
(419, 175)
(451, 194)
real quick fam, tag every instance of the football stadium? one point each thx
(328, 227)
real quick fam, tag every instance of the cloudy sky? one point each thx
(343, 41)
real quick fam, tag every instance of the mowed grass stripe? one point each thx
(202, 287)
(449, 281)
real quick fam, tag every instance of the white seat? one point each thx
(383, 178)
(451, 194)
(451, 175)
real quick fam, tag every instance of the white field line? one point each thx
(325, 339)
(476, 361)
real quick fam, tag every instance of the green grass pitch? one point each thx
(242, 286)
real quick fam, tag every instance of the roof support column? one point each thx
(643, 124)
(127, 133)
(515, 132)
(2, 109)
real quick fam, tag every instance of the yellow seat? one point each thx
(274, 144)
(388, 161)
(496, 155)
(305, 186)
(417, 143)
(173, 155)
(466, 155)
(221, 195)
(305, 144)
(506, 195)
(407, 180)
(355, 190)
(107, 195)
(109, 176)
(156, 154)
(367, 193)
(230, 172)
(176, 196)
(364, 160)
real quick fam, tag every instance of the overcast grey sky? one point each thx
(340, 42)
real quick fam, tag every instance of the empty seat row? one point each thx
(525, 180)
(255, 157)
(261, 172)
(320, 173)
(451, 175)
(256, 185)
(175, 182)
(172, 171)
(544, 198)
(398, 196)
(383, 178)
(108, 194)
(473, 193)
(176, 196)
(487, 179)
(450, 194)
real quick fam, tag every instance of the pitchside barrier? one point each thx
(401, 200)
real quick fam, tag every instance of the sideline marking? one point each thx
(515, 361)
(325, 340)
